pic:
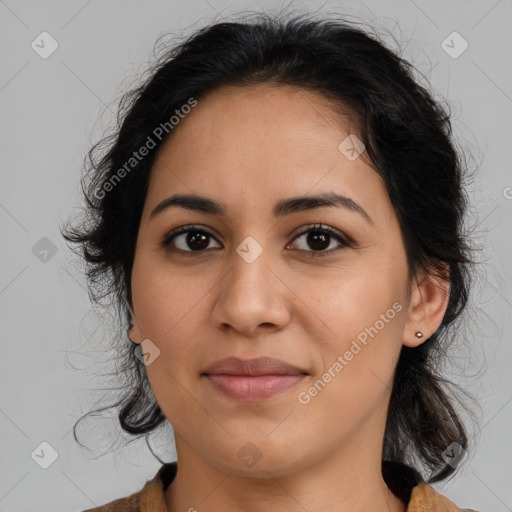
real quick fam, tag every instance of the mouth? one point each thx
(253, 379)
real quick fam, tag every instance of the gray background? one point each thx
(53, 343)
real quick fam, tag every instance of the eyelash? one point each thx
(321, 228)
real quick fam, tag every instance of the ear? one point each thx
(134, 331)
(429, 300)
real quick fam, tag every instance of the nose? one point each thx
(252, 297)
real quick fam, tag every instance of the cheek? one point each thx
(166, 299)
(357, 329)
(345, 302)
(168, 307)
(167, 312)
(355, 380)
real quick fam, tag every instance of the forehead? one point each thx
(255, 145)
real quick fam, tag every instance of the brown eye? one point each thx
(320, 238)
(188, 239)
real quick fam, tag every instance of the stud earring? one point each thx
(419, 334)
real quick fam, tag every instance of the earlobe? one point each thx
(429, 301)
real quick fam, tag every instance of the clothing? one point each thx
(403, 481)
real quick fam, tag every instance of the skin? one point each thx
(249, 148)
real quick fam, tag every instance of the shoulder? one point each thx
(149, 498)
(128, 504)
(424, 498)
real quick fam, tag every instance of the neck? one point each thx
(323, 485)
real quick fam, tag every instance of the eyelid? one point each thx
(184, 229)
(318, 226)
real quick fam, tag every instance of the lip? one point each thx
(253, 379)
(252, 367)
(252, 389)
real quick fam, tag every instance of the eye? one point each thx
(195, 238)
(320, 237)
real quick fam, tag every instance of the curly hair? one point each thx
(408, 139)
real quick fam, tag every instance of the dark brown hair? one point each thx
(408, 138)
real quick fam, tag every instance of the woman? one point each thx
(280, 217)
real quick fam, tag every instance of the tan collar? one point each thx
(152, 497)
(425, 498)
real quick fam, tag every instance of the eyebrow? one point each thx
(281, 208)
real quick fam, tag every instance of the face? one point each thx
(322, 288)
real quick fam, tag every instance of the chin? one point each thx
(259, 458)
